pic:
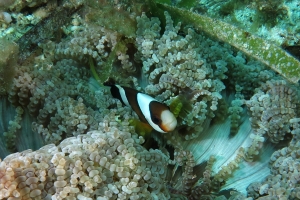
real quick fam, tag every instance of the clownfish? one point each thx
(149, 110)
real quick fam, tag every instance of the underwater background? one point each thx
(228, 70)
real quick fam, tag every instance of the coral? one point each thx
(106, 164)
(19, 4)
(22, 24)
(16, 24)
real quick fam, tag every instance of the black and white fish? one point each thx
(149, 110)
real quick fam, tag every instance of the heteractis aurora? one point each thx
(237, 133)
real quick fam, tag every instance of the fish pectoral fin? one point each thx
(141, 128)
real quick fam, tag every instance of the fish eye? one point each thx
(155, 120)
